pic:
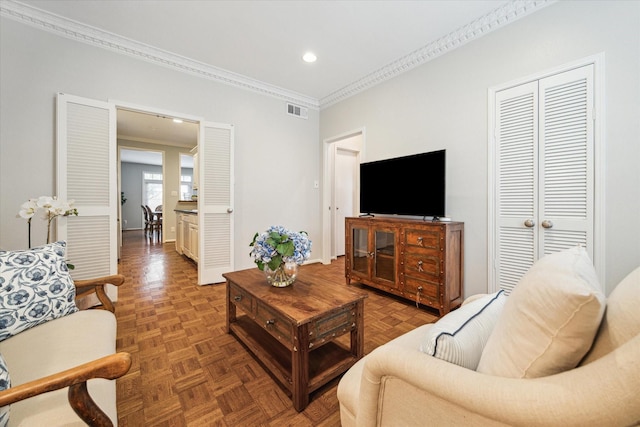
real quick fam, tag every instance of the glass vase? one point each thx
(284, 275)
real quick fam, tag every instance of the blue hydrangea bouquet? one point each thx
(278, 252)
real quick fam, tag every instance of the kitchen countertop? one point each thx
(187, 211)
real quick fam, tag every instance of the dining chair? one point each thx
(147, 222)
(154, 223)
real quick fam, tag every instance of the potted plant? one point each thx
(278, 252)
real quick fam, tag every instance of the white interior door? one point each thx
(86, 173)
(516, 240)
(544, 171)
(566, 178)
(346, 166)
(215, 202)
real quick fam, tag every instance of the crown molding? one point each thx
(71, 29)
(498, 18)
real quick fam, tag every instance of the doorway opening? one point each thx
(141, 184)
(342, 157)
(149, 171)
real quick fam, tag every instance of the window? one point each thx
(186, 187)
(152, 189)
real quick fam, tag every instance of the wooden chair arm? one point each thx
(96, 286)
(109, 367)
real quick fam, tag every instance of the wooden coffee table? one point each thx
(292, 330)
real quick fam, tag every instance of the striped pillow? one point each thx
(460, 336)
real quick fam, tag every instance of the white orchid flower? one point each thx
(52, 207)
(45, 202)
(57, 207)
(28, 209)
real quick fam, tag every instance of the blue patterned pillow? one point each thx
(5, 383)
(35, 287)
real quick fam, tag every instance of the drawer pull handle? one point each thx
(270, 322)
(420, 266)
(420, 243)
(418, 296)
(238, 297)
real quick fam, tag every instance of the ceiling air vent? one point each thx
(298, 111)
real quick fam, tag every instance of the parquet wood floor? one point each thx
(188, 372)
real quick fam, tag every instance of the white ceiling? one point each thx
(152, 128)
(259, 44)
(265, 40)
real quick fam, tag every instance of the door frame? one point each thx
(598, 62)
(329, 148)
(124, 105)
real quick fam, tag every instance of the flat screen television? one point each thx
(411, 185)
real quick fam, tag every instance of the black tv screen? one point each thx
(410, 185)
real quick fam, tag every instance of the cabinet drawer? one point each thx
(428, 291)
(331, 326)
(191, 219)
(423, 239)
(425, 267)
(241, 298)
(274, 323)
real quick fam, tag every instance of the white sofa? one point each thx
(399, 385)
(54, 364)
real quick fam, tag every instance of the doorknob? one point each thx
(529, 223)
(229, 210)
(547, 224)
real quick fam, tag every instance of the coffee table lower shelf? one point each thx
(326, 362)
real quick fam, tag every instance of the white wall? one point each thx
(443, 104)
(276, 155)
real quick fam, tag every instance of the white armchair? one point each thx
(399, 385)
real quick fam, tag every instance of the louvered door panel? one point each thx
(86, 168)
(516, 201)
(544, 172)
(566, 161)
(88, 250)
(215, 202)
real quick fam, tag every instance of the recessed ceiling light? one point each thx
(177, 120)
(309, 57)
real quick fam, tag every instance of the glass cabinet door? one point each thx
(360, 252)
(385, 250)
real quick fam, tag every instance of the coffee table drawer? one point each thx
(241, 298)
(332, 326)
(273, 322)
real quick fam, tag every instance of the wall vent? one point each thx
(298, 111)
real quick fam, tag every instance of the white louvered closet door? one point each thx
(516, 182)
(215, 202)
(86, 173)
(544, 171)
(566, 161)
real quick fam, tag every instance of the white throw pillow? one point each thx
(460, 336)
(35, 287)
(549, 320)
